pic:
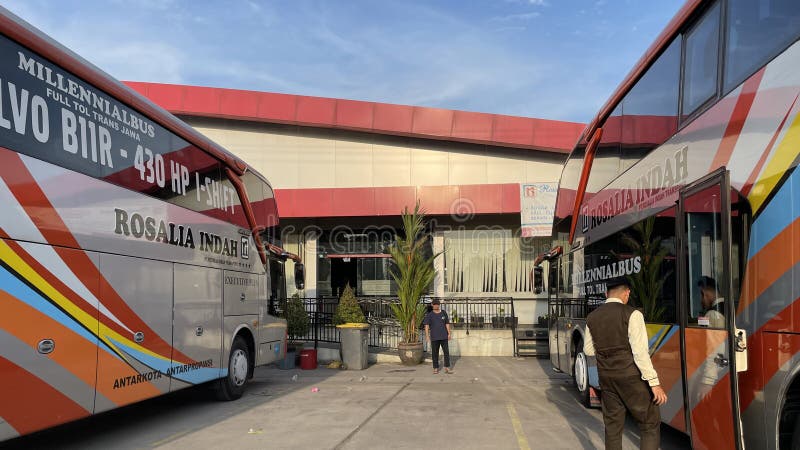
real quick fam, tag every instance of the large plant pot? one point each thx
(410, 354)
(355, 338)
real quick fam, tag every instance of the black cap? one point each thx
(616, 282)
(435, 301)
(707, 282)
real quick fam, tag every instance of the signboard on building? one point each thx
(537, 208)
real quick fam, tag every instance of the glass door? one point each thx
(707, 310)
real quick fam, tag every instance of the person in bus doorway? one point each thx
(714, 307)
(616, 335)
(437, 330)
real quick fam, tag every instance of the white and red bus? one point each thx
(686, 184)
(136, 257)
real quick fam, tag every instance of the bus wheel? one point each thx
(582, 376)
(231, 387)
(796, 435)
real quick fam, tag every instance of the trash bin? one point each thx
(287, 363)
(354, 345)
(308, 359)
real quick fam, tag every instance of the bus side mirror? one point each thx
(299, 275)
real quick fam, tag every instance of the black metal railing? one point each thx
(573, 308)
(468, 313)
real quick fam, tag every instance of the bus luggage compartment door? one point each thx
(197, 353)
(243, 293)
(134, 366)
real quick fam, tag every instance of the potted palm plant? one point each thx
(413, 272)
(353, 329)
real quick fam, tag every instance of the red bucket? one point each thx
(308, 359)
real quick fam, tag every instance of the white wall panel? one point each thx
(429, 167)
(536, 172)
(317, 159)
(281, 164)
(391, 165)
(295, 157)
(504, 170)
(466, 168)
(353, 164)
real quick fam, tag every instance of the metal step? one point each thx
(533, 352)
(532, 333)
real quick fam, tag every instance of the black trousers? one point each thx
(435, 350)
(631, 394)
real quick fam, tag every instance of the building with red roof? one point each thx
(343, 171)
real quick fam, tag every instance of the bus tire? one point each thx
(231, 387)
(581, 376)
(796, 435)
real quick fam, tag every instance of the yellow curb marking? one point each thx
(521, 439)
(170, 438)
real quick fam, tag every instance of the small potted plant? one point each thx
(475, 321)
(353, 329)
(498, 321)
(511, 321)
(456, 319)
(297, 326)
(543, 320)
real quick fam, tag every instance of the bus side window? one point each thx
(700, 62)
(756, 31)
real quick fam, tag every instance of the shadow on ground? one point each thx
(192, 409)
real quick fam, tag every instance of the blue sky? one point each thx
(554, 59)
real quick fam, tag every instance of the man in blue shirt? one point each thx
(437, 329)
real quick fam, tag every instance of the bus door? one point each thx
(709, 365)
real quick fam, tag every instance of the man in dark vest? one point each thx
(615, 332)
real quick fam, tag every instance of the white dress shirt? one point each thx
(715, 318)
(637, 336)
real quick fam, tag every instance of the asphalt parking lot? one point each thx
(489, 402)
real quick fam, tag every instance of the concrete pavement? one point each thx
(490, 402)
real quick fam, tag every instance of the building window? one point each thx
(492, 260)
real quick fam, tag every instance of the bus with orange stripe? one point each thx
(137, 257)
(685, 184)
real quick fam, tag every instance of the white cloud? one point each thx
(517, 17)
(531, 2)
(408, 53)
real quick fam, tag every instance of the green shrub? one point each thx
(348, 310)
(297, 322)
